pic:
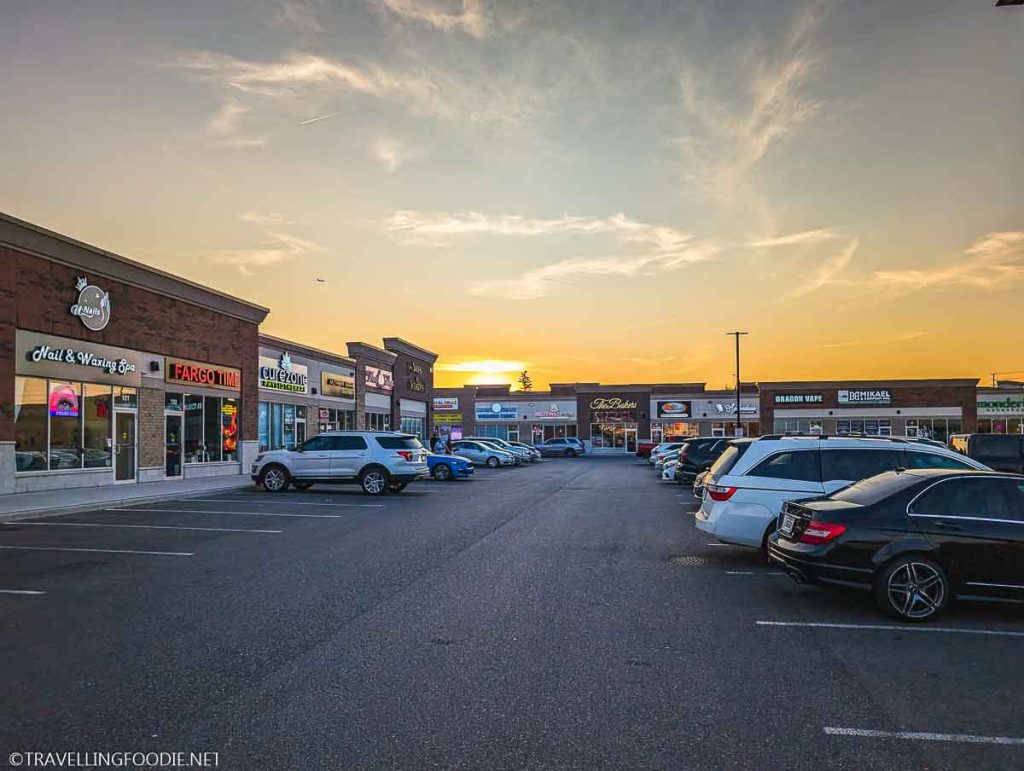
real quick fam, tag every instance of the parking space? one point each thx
(574, 593)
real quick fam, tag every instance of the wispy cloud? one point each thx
(390, 153)
(301, 15)
(994, 261)
(828, 270)
(482, 365)
(905, 337)
(225, 125)
(734, 139)
(452, 16)
(317, 119)
(802, 238)
(656, 248)
(279, 245)
(424, 91)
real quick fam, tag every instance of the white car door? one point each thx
(348, 456)
(312, 460)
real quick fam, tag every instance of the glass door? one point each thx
(630, 440)
(172, 445)
(124, 446)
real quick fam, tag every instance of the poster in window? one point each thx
(63, 401)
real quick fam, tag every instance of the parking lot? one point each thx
(564, 614)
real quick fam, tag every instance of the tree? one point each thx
(524, 381)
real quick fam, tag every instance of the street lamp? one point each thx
(736, 334)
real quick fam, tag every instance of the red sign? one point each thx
(199, 374)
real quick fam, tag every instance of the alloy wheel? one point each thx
(374, 482)
(274, 480)
(916, 590)
(442, 472)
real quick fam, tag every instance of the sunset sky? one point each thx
(590, 190)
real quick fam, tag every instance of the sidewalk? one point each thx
(29, 505)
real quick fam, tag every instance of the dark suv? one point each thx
(697, 455)
(1001, 452)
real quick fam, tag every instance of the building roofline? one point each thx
(370, 351)
(793, 384)
(398, 344)
(306, 350)
(46, 244)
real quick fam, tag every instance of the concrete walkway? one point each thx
(28, 505)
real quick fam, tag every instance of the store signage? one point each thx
(865, 396)
(415, 384)
(672, 409)
(729, 408)
(324, 414)
(1007, 406)
(61, 358)
(497, 411)
(338, 385)
(196, 373)
(447, 418)
(612, 403)
(446, 402)
(93, 306)
(799, 399)
(554, 412)
(81, 357)
(382, 379)
(283, 374)
(126, 397)
(414, 369)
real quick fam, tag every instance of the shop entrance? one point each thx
(124, 446)
(172, 446)
(630, 440)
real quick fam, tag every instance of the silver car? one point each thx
(482, 454)
(523, 453)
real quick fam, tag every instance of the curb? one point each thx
(52, 511)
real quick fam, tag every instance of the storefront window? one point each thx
(211, 429)
(263, 423)
(793, 426)
(287, 425)
(229, 429)
(65, 409)
(30, 424)
(416, 426)
(493, 432)
(194, 429)
(610, 435)
(559, 431)
(376, 421)
(97, 418)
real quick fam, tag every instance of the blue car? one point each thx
(448, 466)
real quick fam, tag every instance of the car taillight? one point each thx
(681, 458)
(720, 493)
(821, 532)
(407, 454)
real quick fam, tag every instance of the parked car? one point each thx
(747, 485)
(444, 467)
(697, 455)
(914, 538)
(378, 461)
(562, 446)
(661, 449)
(533, 452)
(483, 454)
(1002, 452)
(670, 456)
(503, 444)
(644, 447)
(698, 485)
(668, 471)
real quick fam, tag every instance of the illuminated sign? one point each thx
(446, 402)
(865, 396)
(195, 373)
(447, 418)
(497, 411)
(414, 368)
(798, 398)
(93, 306)
(382, 379)
(338, 385)
(83, 358)
(283, 374)
(417, 385)
(612, 403)
(729, 408)
(63, 400)
(672, 409)
(1005, 406)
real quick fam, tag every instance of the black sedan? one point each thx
(914, 538)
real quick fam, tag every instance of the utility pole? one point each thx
(736, 334)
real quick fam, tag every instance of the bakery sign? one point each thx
(864, 396)
(612, 403)
(283, 374)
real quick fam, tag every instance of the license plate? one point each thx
(787, 524)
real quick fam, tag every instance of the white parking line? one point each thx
(719, 544)
(922, 736)
(291, 501)
(22, 591)
(239, 513)
(770, 573)
(895, 628)
(101, 551)
(140, 527)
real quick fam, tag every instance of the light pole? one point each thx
(736, 333)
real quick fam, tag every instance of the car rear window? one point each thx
(851, 464)
(996, 446)
(873, 489)
(399, 442)
(726, 461)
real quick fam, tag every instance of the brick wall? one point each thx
(151, 427)
(35, 294)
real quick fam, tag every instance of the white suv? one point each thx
(378, 461)
(746, 487)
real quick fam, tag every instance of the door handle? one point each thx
(947, 525)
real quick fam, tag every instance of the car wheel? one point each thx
(274, 479)
(442, 472)
(301, 485)
(912, 588)
(570, 453)
(374, 481)
(397, 487)
(493, 462)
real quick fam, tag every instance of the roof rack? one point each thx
(898, 439)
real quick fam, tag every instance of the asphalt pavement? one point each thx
(560, 615)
